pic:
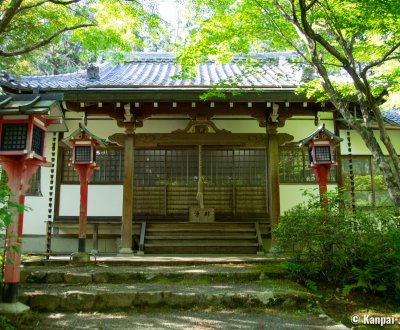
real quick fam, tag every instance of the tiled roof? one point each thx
(317, 133)
(78, 132)
(392, 116)
(158, 70)
(31, 104)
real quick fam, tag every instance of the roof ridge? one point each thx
(142, 57)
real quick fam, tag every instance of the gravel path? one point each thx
(184, 320)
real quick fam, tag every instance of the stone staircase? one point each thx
(202, 238)
(103, 286)
(174, 293)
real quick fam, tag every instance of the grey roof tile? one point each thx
(159, 70)
(392, 116)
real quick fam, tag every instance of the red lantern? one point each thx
(321, 146)
(83, 144)
(24, 120)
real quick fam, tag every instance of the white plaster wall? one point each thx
(292, 194)
(240, 126)
(301, 127)
(34, 219)
(103, 200)
(358, 146)
(162, 126)
(101, 128)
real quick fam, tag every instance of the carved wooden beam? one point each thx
(194, 139)
(258, 110)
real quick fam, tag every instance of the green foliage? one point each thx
(355, 249)
(352, 30)
(311, 285)
(91, 25)
(5, 323)
(354, 53)
(8, 208)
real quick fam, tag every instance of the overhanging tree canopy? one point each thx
(356, 40)
(97, 25)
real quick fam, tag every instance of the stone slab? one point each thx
(13, 308)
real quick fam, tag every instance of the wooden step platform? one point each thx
(201, 238)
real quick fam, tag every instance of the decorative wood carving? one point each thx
(201, 125)
(284, 138)
(193, 139)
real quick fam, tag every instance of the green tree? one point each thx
(8, 209)
(357, 41)
(99, 27)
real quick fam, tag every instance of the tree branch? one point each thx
(9, 14)
(33, 5)
(64, 3)
(315, 36)
(308, 30)
(384, 58)
(42, 42)
(311, 4)
(334, 25)
(281, 33)
(40, 3)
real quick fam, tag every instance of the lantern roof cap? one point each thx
(83, 130)
(336, 139)
(47, 105)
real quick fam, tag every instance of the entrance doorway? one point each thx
(166, 182)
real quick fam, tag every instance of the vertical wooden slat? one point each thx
(165, 200)
(234, 199)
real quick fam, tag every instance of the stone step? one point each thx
(106, 297)
(128, 274)
(163, 260)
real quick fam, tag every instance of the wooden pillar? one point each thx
(127, 204)
(273, 176)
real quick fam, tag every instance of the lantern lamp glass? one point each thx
(322, 154)
(37, 140)
(83, 154)
(13, 137)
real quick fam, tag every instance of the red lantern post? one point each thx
(321, 145)
(83, 145)
(24, 121)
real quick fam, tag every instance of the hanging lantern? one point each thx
(83, 144)
(321, 147)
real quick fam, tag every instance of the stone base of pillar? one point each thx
(80, 257)
(125, 252)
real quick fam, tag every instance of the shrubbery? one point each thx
(356, 249)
